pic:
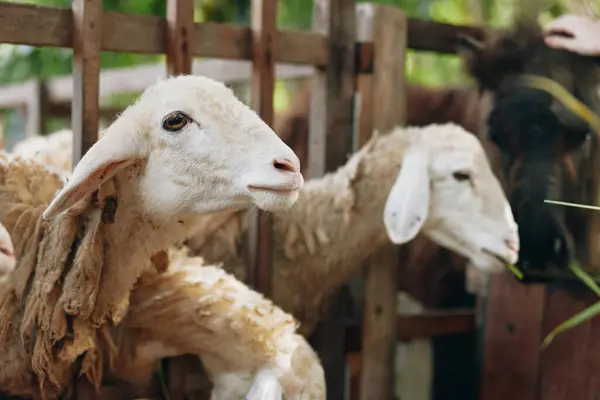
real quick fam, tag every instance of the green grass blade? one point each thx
(572, 322)
(564, 203)
(585, 278)
(515, 271)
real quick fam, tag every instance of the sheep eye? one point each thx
(461, 176)
(175, 121)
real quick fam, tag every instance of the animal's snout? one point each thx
(286, 165)
(512, 242)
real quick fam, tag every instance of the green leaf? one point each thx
(585, 278)
(572, 322)
(515, 271)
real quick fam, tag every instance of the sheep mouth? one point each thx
(281, 190)
(504, 260)
(6, 252)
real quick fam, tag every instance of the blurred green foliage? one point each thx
(20, 63)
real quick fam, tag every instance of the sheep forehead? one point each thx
(204, 99)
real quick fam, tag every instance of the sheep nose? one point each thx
(512, 242)
(286, 165)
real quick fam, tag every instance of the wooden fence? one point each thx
(356, 53)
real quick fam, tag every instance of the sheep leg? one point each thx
(265, 386)
(209, 313)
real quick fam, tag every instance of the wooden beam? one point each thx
(263, 21)
(87, 34)
(389, 34)
(179, 45)
(132, 33)
(180, 36)
(427, 324)
(511, 346)
(62, 109)
(329, 143)
(86, 69)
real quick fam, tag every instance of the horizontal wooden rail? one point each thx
(132, 33)
(427, 324)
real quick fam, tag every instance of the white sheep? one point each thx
(54, 150)
(229, 312)
(185, 148)
(448, 192)
(337, 223)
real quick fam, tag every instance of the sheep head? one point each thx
(202, 150)
(7, 253)
(446, 189)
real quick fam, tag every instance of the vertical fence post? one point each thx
(259, 248)
(179, 45)
(387, 27)
(87, 38)
(329, 144)
(180, 35)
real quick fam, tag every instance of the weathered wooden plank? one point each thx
(511, 345)
(86, 70)
(562, 374)
(179, 44)
(436, 36)
(45, 26)
(331, 111)
(427, 324)
(389, 33)
(329, 143)
(263, 23)
(435, 323)
(180, 36)
(86, 41)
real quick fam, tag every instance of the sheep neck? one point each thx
(336, 225)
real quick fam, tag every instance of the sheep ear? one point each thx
(116, 150)
(407, 205)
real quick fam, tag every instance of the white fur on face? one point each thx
(7, 253)
(451, 194)
(214, 154)
(216, 160)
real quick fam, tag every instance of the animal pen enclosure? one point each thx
(342, 49)
(357, 53)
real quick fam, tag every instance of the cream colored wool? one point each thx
(78, 261)
(213, 315)
(54, 150)
(333, 228)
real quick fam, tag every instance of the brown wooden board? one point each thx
(389, 33)
(563, 370)
(264, 13)
(46, 26)
(86, 70)
(180, 36)
(511, 346)
(329, 143)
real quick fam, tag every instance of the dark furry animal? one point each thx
(547, 151)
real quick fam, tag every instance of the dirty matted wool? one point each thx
(49, 300)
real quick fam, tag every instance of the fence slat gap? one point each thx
(87, 38)
(263, 25)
